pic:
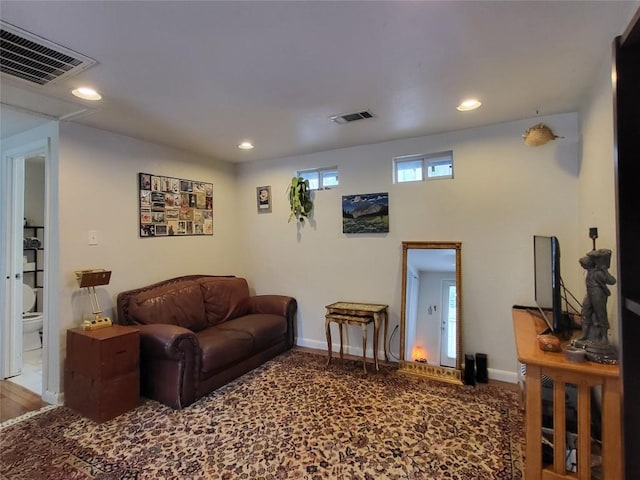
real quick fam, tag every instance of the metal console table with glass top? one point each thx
(361, 314)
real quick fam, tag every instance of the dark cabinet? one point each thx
(627, 147)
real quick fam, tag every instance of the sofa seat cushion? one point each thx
(223, 347)
(224, 298)
(266, 329)
(176, 304)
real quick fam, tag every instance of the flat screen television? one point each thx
(548, 283)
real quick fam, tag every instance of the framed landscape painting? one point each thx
(365, 213)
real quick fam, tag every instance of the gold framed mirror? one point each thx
(431, 312)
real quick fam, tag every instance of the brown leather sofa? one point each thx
(199, 332)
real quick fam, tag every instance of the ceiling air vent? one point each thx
(35, 60)
(351, 117)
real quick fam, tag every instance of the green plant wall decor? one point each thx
(299, 199)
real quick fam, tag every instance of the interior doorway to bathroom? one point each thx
(26, 255)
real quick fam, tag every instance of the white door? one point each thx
(13, 188)
(448, 324)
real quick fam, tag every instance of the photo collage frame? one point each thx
(174, 206)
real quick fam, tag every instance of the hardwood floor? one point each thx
(16, 400)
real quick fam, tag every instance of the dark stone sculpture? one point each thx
(595, 324)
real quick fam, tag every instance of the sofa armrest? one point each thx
(277, 305)
(170, 358)
(273, 304)
(164, 341)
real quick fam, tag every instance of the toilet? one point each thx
(31, 321)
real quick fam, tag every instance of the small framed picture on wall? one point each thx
(263, 199)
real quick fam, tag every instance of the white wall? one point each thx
(95, 187)
(503, 193)
(34, 181)
(98, 190)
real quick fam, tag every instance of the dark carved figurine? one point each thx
(595, 324)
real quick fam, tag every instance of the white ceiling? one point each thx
(204, 76)
(431, 260)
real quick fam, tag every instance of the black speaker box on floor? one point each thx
(482, 375)
(469, 370)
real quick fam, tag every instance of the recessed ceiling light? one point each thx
(469, 104)
(86, 93)
(246, 146)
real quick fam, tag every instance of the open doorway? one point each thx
(16, 148)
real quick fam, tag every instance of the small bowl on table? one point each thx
(574, 354)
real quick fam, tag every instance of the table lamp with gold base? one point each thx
(90, 279)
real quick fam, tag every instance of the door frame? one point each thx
(14, 178)
(626, 51)
(413, 297)
(13, 174)
(46, 135)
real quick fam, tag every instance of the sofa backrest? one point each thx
(224, 298)
(177, 304)
(194, 302)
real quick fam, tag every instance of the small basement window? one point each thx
(418, 168)
(321, 178)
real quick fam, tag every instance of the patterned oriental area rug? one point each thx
(292, 418)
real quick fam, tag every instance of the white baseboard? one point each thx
(502, 375)
(303, 342)
(494, 374)
(348, 349)
(53, 398)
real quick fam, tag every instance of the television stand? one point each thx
(546, 331)
(562, 372)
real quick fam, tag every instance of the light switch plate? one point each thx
(93, 237)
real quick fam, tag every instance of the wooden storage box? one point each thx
(102, 375)
(101, 400)
(103, 353)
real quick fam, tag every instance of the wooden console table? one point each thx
(527, 325)
(358, 314)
